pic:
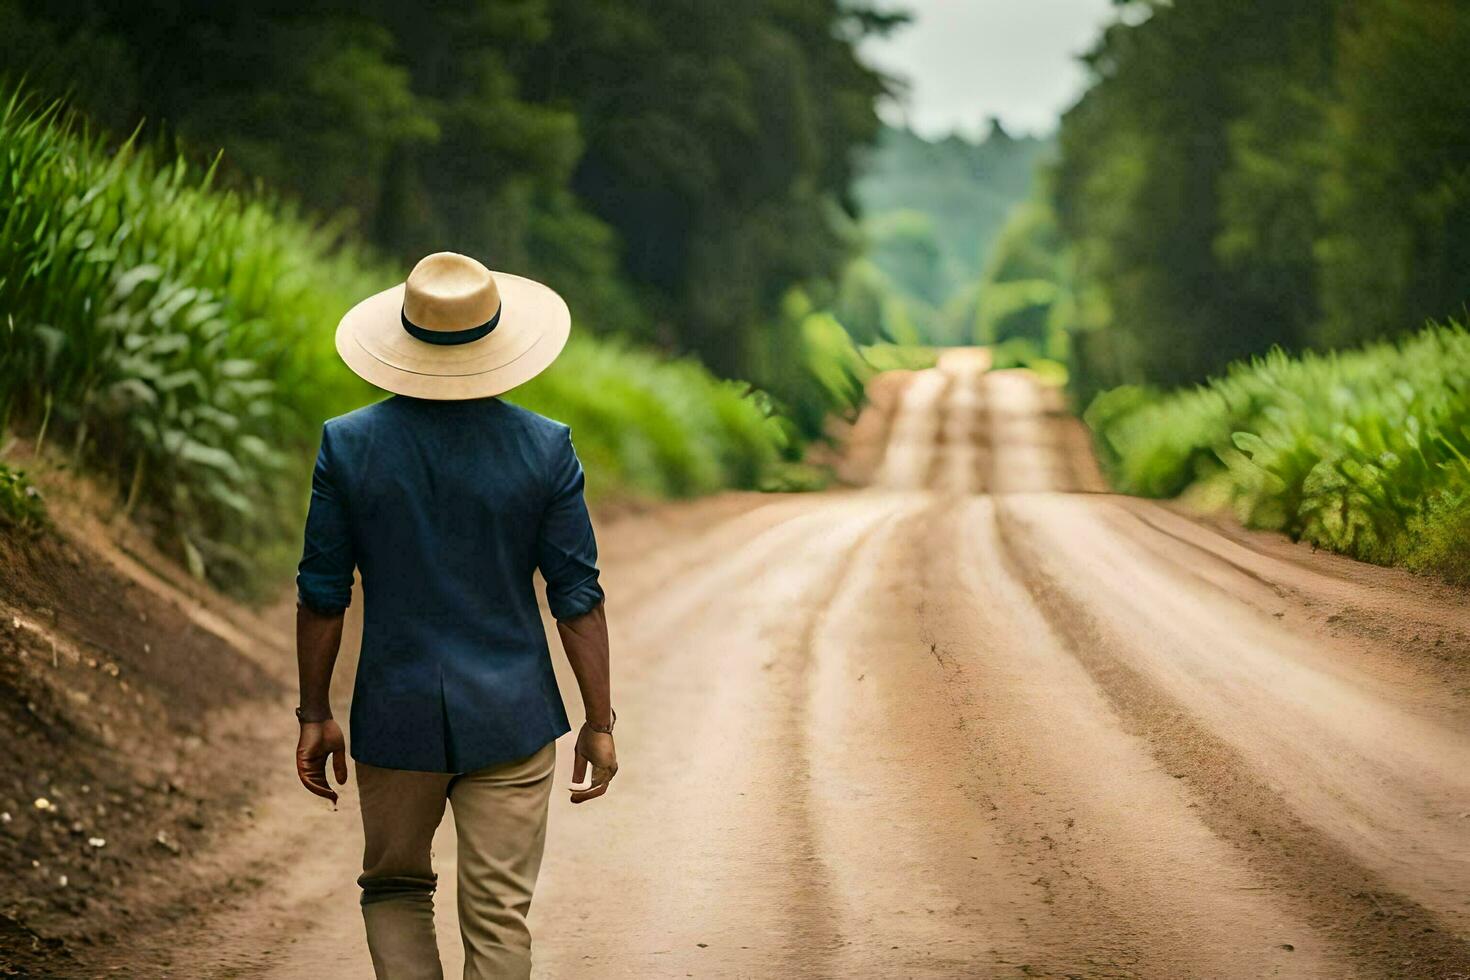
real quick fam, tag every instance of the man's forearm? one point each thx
(318, 637)
(585, 641)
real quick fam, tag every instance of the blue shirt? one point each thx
(447, 508)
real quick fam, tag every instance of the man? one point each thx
(447, 500)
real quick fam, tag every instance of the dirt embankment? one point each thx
(129, 704)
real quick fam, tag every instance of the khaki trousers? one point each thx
(500, 822)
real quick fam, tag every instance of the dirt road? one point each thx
(975, 719)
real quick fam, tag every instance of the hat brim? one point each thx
(533, 328)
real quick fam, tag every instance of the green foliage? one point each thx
(1029, 308)
(1437, 538)
(872, 307)
(906, 248)
(1247, 175)
(1365, 452)
(673, 168)
(20, 504)
(794, 476)
(834, 361)
(814, 366)
(821, 371)
(717, 144)
(181, 335)
(898, 357)
(652, 426)
(1395, 199)
(178, 339)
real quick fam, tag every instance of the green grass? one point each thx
(1365, 452)
(176, 339)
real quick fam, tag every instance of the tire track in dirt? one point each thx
(728, 861)
(909, 458)
(1383, 932)
(1379, 607)
(1378, 765)
(958, 465)
(817, 939)
(1031, 898)
(1378, 927)
(1145, 887)
(1387, 659)
(934, 883)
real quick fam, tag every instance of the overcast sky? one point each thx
(966, 60)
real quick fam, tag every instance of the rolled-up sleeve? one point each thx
(566, 548)
(324, 578)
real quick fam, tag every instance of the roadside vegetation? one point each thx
(20, 505)
(1365, 452)
(176, 339)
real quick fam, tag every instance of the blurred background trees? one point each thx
(1244, 175)
(932, 211)
(673, 166)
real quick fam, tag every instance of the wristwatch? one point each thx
(605, 729)
(308, 719)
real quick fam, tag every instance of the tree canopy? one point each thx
(1242, 175)
(672, 166)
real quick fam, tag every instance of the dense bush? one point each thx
(1365, 452)
(179, 340)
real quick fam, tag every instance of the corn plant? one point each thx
(177, 334)
(1366, 452)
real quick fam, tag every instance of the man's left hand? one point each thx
(595, 748)
(320, 739)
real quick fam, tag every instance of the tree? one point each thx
(718, 144)
(1396, 197)
(1246, 175)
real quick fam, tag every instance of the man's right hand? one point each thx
(596, 748)
(318, 740)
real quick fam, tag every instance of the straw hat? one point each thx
(454, 330)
